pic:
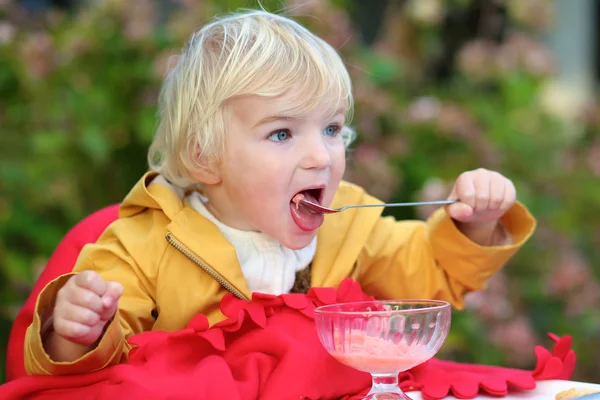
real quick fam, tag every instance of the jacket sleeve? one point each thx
(109, 258)
(433, 259)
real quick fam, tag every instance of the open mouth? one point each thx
(306, 218)
(313, 195)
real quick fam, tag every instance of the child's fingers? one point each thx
(114, 291)
(71, 329)
(80, 315)
(459, 211)
(464, 190)
(111, 300)
(497, 189)
(92, 281)
(482, 184)
(85, 298)
(453, 194)
(109, 311)
(510, 196)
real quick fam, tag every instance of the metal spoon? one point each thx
(325, 210)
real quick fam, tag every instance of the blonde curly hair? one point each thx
(245, 53)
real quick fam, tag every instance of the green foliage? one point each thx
(433, 99)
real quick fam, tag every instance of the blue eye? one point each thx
(280, 136)
(332, 130)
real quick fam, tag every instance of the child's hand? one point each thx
(483, 197)
(83, 307)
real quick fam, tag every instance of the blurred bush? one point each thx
(441, 87)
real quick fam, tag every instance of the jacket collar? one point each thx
(196, 234)
(206, 242)
(339, 241)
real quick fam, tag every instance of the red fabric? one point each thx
(558, 364)
(62, 261)
(437, 379)
(269, 349)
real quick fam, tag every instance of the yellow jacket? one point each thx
(173, 263)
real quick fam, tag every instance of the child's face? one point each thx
(268, 159)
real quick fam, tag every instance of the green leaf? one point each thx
(95, 144)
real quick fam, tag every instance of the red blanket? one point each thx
(269, 349)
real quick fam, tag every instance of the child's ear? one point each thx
(207, 172)
(208, 175)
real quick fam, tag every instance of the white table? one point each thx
(545, 390)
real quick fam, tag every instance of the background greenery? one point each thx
(441, 87)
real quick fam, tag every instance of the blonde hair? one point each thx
(247, 53)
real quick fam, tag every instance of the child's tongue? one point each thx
(306, 219)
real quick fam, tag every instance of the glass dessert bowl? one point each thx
(384, 337)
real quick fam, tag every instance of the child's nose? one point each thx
(317, 154)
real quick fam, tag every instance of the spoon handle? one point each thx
(408, 204)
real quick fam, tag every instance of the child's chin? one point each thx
(300, 242)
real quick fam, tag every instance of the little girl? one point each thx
(254, 113)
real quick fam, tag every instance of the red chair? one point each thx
(62, 261)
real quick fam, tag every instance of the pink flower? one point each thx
(457, 122)
(477, 59)
(38, 54)
(423, 109)
(521, 51)
(517, 337)
(7, 32)
(571, 272)
(140, 19)
(371, 169)
(433, 189)
(587, 298)
(492, 303)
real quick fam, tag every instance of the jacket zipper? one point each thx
(193, 258)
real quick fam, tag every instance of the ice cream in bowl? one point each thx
(384, 338)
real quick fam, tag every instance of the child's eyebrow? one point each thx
(272, 118)
(279, 117)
